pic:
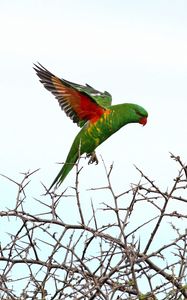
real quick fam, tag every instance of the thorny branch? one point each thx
(134, 247)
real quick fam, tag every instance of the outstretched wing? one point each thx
(80, 103)
(103, 99)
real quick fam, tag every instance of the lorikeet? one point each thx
(91, 110)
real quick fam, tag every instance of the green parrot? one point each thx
(91, 110)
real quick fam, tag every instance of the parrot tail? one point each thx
(68, 165)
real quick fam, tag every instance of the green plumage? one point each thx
(103, 99)
(92, 135)
(91, 110)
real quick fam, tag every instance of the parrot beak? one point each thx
(143, 121)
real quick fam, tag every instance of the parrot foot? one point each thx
(93, 158)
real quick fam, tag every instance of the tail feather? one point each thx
(68, 165)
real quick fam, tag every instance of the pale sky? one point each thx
(136, 50)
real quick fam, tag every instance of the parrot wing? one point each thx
(80, 103)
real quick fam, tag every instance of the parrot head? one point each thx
(137, 114)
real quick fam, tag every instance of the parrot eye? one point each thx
(143, 119)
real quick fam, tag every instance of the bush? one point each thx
(133, 246)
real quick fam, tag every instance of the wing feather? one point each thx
(72, 98)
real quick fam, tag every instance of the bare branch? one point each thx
(134, 247)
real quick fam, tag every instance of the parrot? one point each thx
(92, 111)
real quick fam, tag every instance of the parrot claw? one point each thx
(93, 158)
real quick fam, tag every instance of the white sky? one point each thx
(136, 50)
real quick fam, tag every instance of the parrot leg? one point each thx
(93, 158)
